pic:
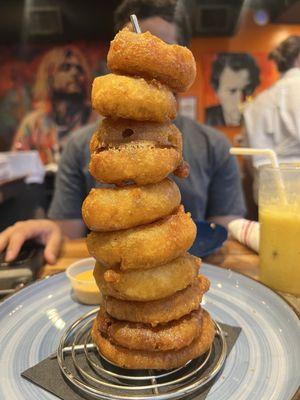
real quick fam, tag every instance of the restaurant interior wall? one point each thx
(249, 38)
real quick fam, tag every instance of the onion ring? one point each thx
(148, 56)
(138, 359)
(119, 131)
(111, 209)
(171, 336)
(144, 246)
(134, 98)
(148, 284)
(139, 162)
(143, 152)
(159, 311)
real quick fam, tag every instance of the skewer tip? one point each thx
(135, 23)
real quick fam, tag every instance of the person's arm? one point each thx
(65, 210)
(44, 231)
(225, 196)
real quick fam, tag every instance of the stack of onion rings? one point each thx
(140, 234)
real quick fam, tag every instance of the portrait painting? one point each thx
(231, 79)
(45, 95)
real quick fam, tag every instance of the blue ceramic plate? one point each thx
(263, 365)
(210, 237)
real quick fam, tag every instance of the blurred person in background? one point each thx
(60, 101)
(234, 77)
(272, 119)
(211, 192)
(14, 105)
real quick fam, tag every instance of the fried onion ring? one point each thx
(139, 162)
(147, 284)
(153, 152)
(138, 359)
(145, 246)
(159, 311)
(119, 131)
(111, 209)
(171, 336)
(134, 98)
(113, 134)
(148, 56)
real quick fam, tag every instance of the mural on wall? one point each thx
(45, 95)
(230, 79)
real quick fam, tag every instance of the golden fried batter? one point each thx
(159, 311)
(139, 359)
(147, 284)
(112, 132)
(148, 56)
(142, 162)
(183, 170)
(124, 150)
(171, 336)
(110, 209)
(135, 98)
(144, 246)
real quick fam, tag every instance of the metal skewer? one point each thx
(78, 348)
(135, 23)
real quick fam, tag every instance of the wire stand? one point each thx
(95, 377)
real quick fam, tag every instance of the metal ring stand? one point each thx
(95, 377)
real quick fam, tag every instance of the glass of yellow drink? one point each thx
(279, 217)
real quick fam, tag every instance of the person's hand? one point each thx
(44, 231)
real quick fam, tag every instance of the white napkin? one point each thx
(22, 163)
(246, 232)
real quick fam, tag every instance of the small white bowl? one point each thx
(86, 291)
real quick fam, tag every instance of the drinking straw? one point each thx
(271, 155)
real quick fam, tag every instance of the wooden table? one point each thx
(72, 250)
(232, 255)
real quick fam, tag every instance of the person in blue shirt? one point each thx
(212, 191)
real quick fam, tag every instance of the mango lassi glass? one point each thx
(279, 217)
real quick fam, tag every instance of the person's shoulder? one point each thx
(82, 136)
(260, 102)
(76, 150)
(204, 137)
(196, 129)
(290, 81)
